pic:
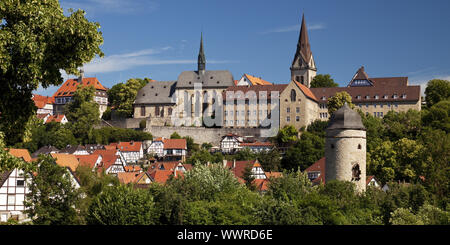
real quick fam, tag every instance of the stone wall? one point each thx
(202, 134)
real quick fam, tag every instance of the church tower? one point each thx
(201, 57)
(303, 68)
(345, 148)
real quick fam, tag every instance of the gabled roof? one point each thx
(130, 177)
(318, 166)
(175, 144)
(66, 160)
(45, 150)
(107, 161)
(132, 146)
(4, 176)
(88, 160)
(70, 149)
(261, 184)
(240, 166)
(20, 153)
(256, 80)
(161, 176)
(55, 118)
(40, 101)
(70, 86)
(156, 93)
(308, 93)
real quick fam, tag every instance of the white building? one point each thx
(13, 188)
(131, 151)
(230, 143)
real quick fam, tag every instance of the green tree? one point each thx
(9, 162)
(175, 135)
(270, 160)
(37, 41)
(437, 90)
(122, 96)
(286, 136)
(53, 198)
(122, 205)
(338, 101)
(438, 116)
(304, 153)
(83, 113)
(200, 157)
(244, 155)
(400, 125)
(323, 81)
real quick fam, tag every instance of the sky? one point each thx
(159, 39)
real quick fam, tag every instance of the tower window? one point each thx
(359, 147)
(303, 79)
(332, 146)
(297, 78)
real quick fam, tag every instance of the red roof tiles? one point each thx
(175, 144)
(71, 85)
(129, 146)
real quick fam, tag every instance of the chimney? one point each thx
(234, 163)
(224, 163)
(131, 142)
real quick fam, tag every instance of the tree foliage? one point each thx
(37, 41)
(436, 91)
(122, 95)
(323, 81)
(338, 101)
(53, 198)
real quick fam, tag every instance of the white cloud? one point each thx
(295, 28)
(423, 80)
(145, 57)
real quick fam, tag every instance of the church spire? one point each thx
(303, 68)
(303, 46)
(201, 56)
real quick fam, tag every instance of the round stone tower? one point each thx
(345, 148)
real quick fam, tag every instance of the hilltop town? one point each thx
(207, 148)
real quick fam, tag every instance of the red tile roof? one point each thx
(20, 153)
(257, 80)
(256, 144)
(40, 101)
(308, 93)
(66, 160)
(107, 161)
(129, 146)
(70, 86)
(129, 177)
(175, 144)
(240, 166)
(55, 118)
(261, 184)
(318, 166)
(161, 176)
(88, 160)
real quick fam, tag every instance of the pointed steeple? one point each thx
(303, 46)
(201, 56)
(303, 68)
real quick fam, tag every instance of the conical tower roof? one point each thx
(303, 46)
(201, 56)
(345, 118)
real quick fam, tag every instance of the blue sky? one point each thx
(160, 38)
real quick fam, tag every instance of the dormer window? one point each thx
(358, 97)
(367, 97)
(376, 97)
(403, 96)
(324, 98)
(385, 96)
(395, 96)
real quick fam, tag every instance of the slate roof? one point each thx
(303, 46)
(345, 118)
(208, 79)
(70, 149)
(44, 150)
(4, 176)
(156, 93)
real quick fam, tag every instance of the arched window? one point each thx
(293, 95)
